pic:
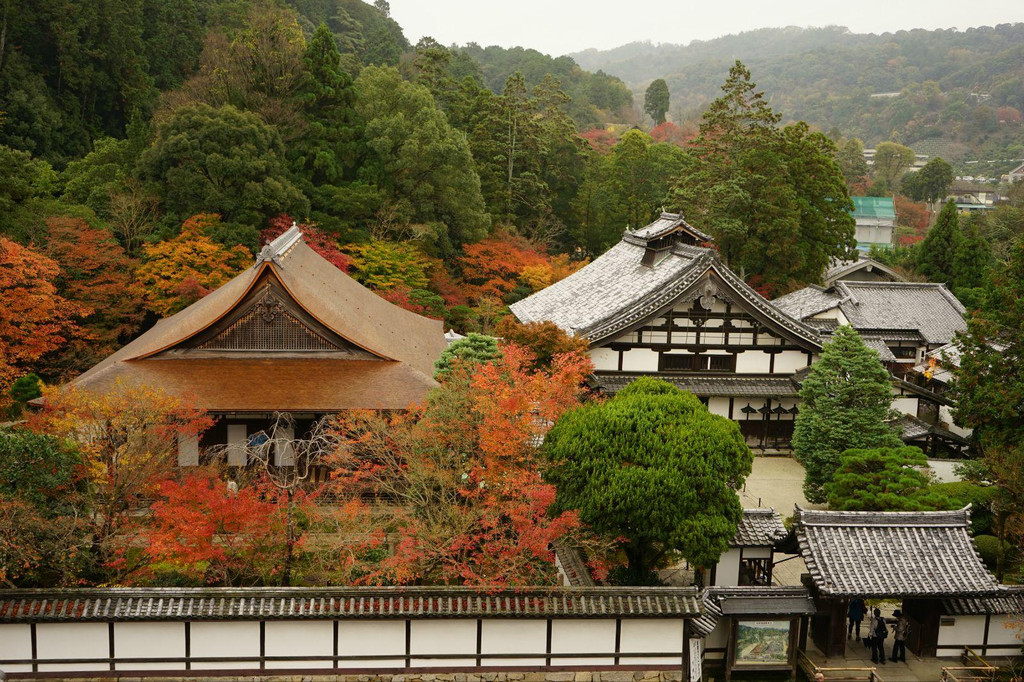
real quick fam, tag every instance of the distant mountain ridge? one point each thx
(953, 83)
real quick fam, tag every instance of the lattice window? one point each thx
(268, 326)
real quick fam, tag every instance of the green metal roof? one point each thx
(873, 207)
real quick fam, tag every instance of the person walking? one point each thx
(900, 630)
(878, 632)
(855, 613)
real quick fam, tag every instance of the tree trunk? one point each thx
(286, 572)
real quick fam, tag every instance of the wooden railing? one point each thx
(811, 669)
(974, 669)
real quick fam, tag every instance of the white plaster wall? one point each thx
(757, 552)
(1004, 630)
(149, 640)
(789, 361)
(443, 637)
(719, 406)
(946, 417)
(640, 360)
(831, 314)
(905, 406)
(752, 362)
(300, 638)
(727, 573)
(739, 415)
(943, 470)
(582, 636)
(964, 630)
(604, 358)
(72, 640)
(510, 636)
(718, 639)
(15, 643)
(372, 638)
(651, 635)
(225, 638)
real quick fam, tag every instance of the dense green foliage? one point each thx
(935, 259)
(930, 184)
(472, 350)
(653, 468)
(882, 479)
(845, 405)
(774, 199)
(945, 91)
(36, 468)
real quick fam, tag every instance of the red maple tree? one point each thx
(492, 267)
(314, 238)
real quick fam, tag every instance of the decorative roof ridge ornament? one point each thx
(276, 249)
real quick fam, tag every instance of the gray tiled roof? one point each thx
(668, 223)
(759, 528)
(926, 307)
(912, 428)
(877, 345)
(169, 604)
(806, 302)
(892, 554)
(573, 565)
(616, 292)
(887, 309)
(838, 269)
(1010, 599)
(706, 386)
(775, 600)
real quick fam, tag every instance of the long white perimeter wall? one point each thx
(356, 644)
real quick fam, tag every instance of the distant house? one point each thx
(968, 193)
(876, 219)
(1016, 175)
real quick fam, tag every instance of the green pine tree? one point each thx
(846, 402)
(972, 259)
(653, 470)
(938, 250)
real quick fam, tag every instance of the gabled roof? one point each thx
(378, 335)
(665, 225)
(892, 554)
(759, 528)
(886, 309)
(775, 600)
(927, 307)
(843, 269)
(617, 292)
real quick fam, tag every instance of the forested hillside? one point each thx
(963, 90)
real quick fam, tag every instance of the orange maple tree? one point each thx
(469, 503)
(492, 267)
(205, 531)
(34, 318)
(95, 273)
(178, 272)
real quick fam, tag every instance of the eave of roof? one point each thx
(752, 386)
(325, 603)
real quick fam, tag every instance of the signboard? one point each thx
(762, 642)
(696, 658)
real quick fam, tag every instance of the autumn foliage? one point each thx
(491, 268)
(34, 318)
(314, 238)
(469, 505)
(178, 272)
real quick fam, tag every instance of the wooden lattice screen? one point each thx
(268, 326)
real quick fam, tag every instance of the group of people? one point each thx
(878, 631)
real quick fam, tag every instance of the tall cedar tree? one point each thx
(846, 401)
(656, 100)
(972, 260)
(775, 200)
(882, 479)
(652, 470)
(938, 251)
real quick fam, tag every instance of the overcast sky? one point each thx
(558, 27)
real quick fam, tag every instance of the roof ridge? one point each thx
(280, 246)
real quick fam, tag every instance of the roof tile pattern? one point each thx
(759, 528)
(706, 386)
(926, 307)
(892, 554)
(1010, 599)
(179, 604)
